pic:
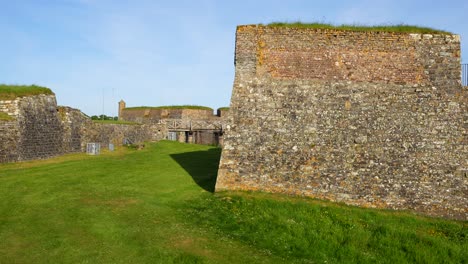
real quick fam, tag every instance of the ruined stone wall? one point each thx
(153, 115)
(39, 129)
(367, 118)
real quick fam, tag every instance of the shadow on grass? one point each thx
(201, 165)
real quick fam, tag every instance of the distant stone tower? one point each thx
(121, 107)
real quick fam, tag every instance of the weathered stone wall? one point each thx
(119, 134)
(369, 119)
(153, 115)
(9, 131)
(76, 126)
(39, 129)
(9, 136)
(35, 131)
(80, 130)
(222, 112)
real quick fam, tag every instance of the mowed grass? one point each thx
(156, 206)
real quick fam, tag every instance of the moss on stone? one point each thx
(399, 28)
(10, 92)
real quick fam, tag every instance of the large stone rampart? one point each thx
(39, 129)
(367, 118)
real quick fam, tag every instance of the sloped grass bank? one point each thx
(156, 206)
(302, 230)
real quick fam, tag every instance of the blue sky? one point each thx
(92, 53)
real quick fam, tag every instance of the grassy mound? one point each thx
(156, 206)
(401, 28)
(10, 92)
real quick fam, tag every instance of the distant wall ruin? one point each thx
(187, 125)
(149, 115)
(373, 119)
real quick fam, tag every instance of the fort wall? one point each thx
(373, 119)
(39, 129)
(151, 115)
(199, 126)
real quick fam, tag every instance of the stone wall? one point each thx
(9, 131)
(150, 115)
(119, 134)
(35, 131)
(40, 129)
(367, 118)
(199, 126)
(75, 126)
(222, 112)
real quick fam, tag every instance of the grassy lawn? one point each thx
(156, 206)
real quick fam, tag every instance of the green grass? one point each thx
(156, 206)
(5, 117)
(400, 28)
(224, 108)
(196, 107)
(10, 92)
(118, 122)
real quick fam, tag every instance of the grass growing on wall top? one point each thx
(400, 28)
(155, 206)
(9, 92)
(224, 108)
(5, 117)
(195, 107)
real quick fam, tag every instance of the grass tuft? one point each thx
(301, 229)
(223, 108)
(10, 92)
(5, 117)
(399, 28)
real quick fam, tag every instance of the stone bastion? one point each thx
(36, 128)
(373, 119)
